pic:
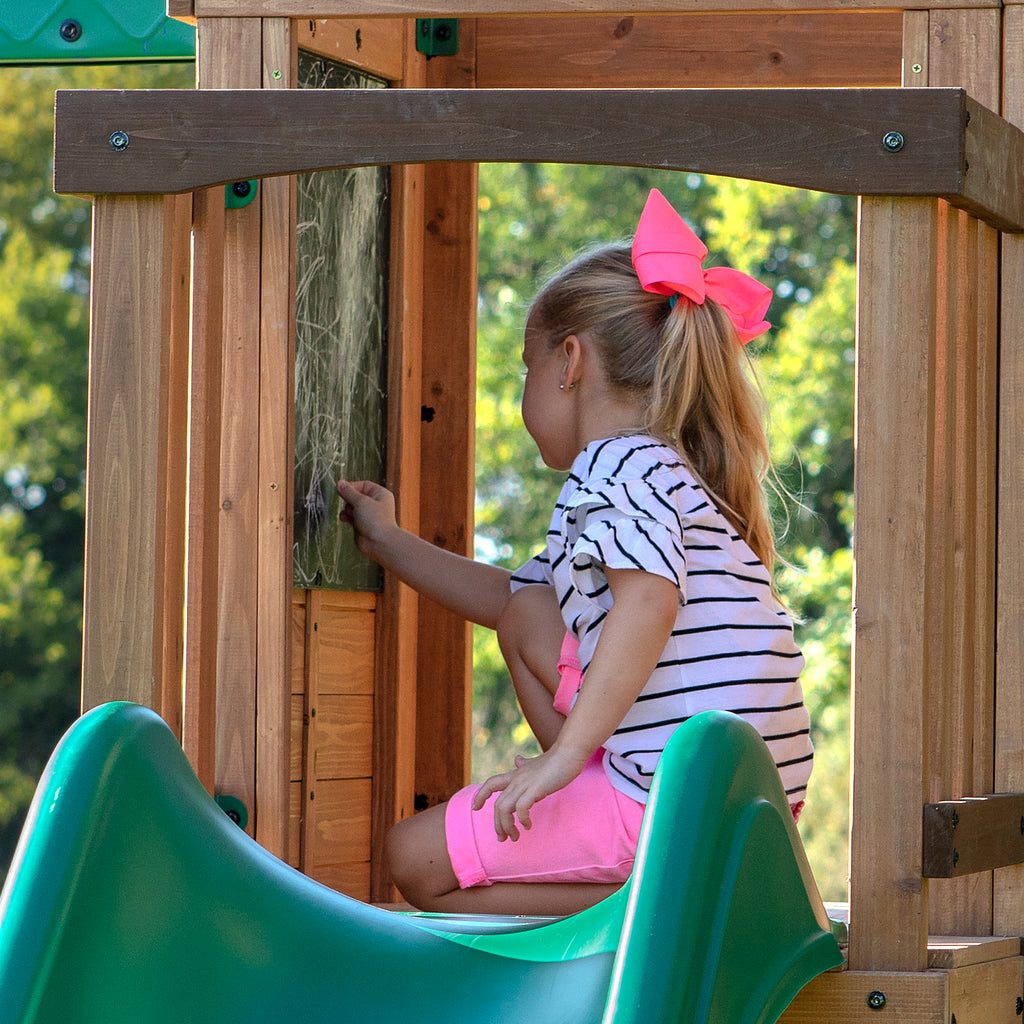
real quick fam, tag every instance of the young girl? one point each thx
(653, 598)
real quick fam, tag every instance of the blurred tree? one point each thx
(44, 280)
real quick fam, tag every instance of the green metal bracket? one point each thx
(92, 32)
(437, 37)
(233, 808)
(240, 193)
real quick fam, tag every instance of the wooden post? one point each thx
(1008, 915)
(276, 471)
(202, 547)
(395, 702)
(127, 472)
(229, 56)
(892, 600)
(447, 453)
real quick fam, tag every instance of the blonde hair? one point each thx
(689, 370)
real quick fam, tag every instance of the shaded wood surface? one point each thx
(826, 139)
(701, 50)
(975, 834)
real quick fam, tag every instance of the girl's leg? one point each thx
(530, 634)
(422, 870)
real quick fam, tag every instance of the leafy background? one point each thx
(532, 218)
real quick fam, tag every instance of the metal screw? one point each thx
(275, 74)
(876, 1000)
(70, 30)
(119, 141)
(916, 68)
(893, 141)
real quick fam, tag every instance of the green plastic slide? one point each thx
(134, 897)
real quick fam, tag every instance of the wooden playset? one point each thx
(330, 713)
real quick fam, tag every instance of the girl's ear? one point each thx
(572, 352)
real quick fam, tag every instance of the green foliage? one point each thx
(532, 219)
(44, 278)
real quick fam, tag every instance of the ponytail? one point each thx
(686, 365)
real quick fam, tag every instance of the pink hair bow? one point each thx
(667, 257)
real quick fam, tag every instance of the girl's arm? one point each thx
(633, 637)
(476, 591)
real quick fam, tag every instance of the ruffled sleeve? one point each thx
(536, 571)
(622, 525)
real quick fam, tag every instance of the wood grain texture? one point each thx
(127, 452)
(892, 661)
(827, 139)
(698, 50)
(275, 504)
(1009, 732)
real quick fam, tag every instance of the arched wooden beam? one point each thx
(927, 142)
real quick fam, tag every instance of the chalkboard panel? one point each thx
(341, 338)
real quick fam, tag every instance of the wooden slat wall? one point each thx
(128, 515)
(336, 770)
(705, 51)
(1008, 914)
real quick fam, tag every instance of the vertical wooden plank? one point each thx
(394, 734)
(276, 471)
(964, 50)
(127, 442)
(175, 488)
(447, 448)
(202, 549)
(895, 327)
(229, 56)
(1009, 753)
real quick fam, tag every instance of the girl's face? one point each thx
(548, 401)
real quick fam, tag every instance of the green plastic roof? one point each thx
(91, 32)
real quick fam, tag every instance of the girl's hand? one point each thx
(531, 780)
(370, 509)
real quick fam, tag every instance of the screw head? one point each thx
(119, 141)
(893, 141)
(70, 30)
(916, 68)
(876, 1000)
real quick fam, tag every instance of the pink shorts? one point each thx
(586, 832)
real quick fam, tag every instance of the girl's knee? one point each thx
(531, 618)
(417, 856)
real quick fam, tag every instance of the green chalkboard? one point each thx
(341, 343)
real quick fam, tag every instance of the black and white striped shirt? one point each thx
(631, 503)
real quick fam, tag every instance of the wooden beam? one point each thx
(709, 51)
(961, 837)
(985, 993)
(825, 139)
(486, 8)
